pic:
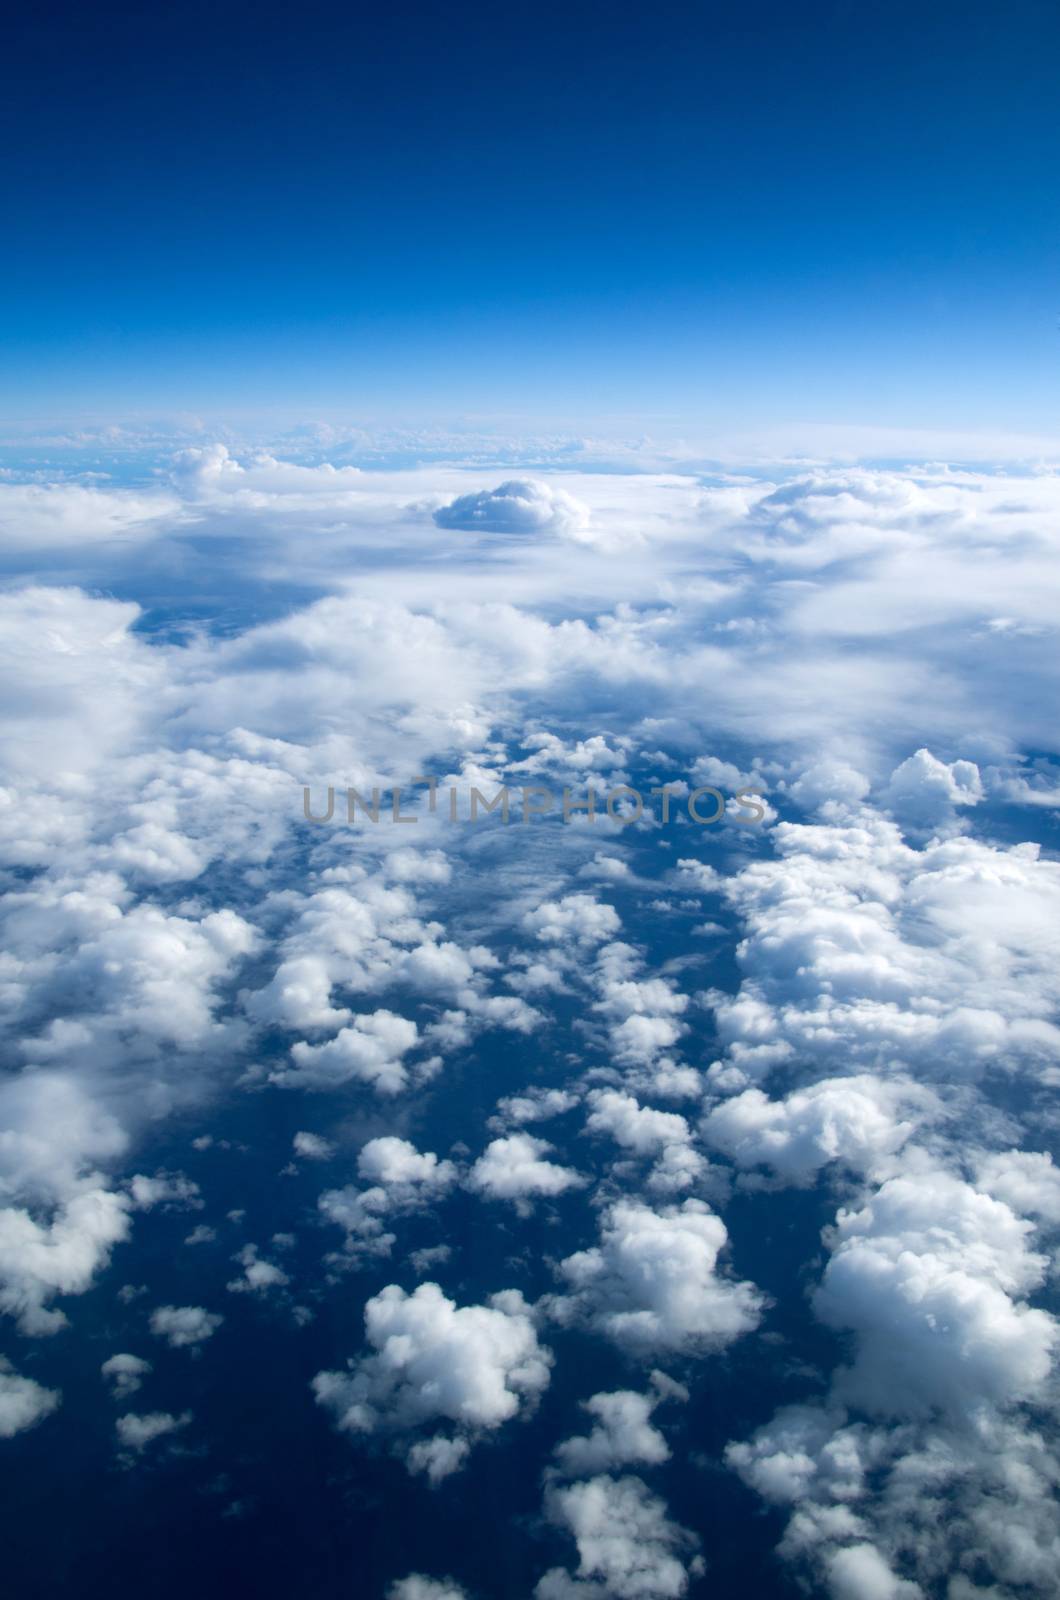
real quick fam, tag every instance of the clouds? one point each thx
(184, 1327)
(622, 1432)
(401, 1180)
(137, 1431)
(931, 1274)
(517, 1169)
(471, 1367)
(519, 506)
(873, 1021)
(856, 1122)
(370, 1050)
(861, 949)
(23, 1402)
(627, 1545)
(652, 1284)
(125, 1373)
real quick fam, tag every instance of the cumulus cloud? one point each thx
(652, 1283)
(371, 1050)
(125, 1373)
(312, 1147)
(418, 1587)
(136, 1431)
(516, 1168)
(472, 1368)
(23, 1402)
(521, 505)
(622, 1432)
(863, 951)
(931, 1275)
(184, 1327)
(258, 1275)
(856, 1122)
(401, 1180)
(627, 1545)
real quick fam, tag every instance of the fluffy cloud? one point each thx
(23, 1402)
(471, 1367)
(311, 1147)
(652, 1282)
(931, 1275)
(576, 917)
(622, 1432)
(135, 1432)
(401, 1180)
(857, 1122)
(516, 1168)
(522, 505)
(627, 1545)
(184, 1327)
(258, 1275)
(125, 1374)
(862, 950)
(371, 1050)
(417, 1587)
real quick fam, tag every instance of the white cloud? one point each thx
(857, 1122)
(521, 505)
(418, 1587)
(125, 1374)
(628, 1547)
(371, 1050)
(516, 1168)
(258, 1275)
(136, 1432)
(311, 1147)
(23, 1402)
(471, 1367)
(576, 917)
(652, 1282)
(184, 1327)
(622, 1432)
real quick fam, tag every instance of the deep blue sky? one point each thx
(776, 211)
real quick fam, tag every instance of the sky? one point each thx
(752, 217)
(529, 804)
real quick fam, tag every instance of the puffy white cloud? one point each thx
(859, 1572)
(398, 1165)
(533, 1105)
(258, 1275)
(1026, 1180)
(622, 1432)
(864, 952)
(23, 1402)
(644, 1131)
(578, 918)
(184, 1327)
(418, 1587)
(174, 1190)
(924, 792)
(627, 1545)
(635, 1127)
(371, 1050)
(652, 1282)
(516, 1168)
(521, 505)
(136, 1431)
(857, 1122)
(41, 1260)
(125, 1373)
(401, 1180)
(312, 1147)
(930, 1274)
(473, 1367)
